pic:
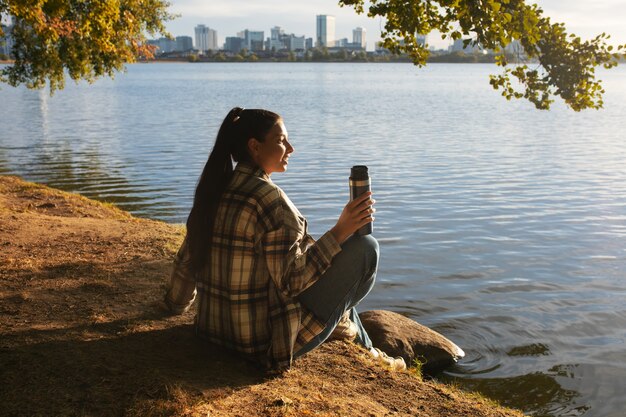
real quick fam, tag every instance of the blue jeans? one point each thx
(348, 280)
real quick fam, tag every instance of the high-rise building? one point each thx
(202, 37)
(295, 43)
(184, 43)
(252, 40)
(325, 31)
(515, 48)
(6, 42)
(164, 45)
(341, 43)
(255, 40)
(233, 44)
(280, 41)
(3, 40)
(358, 37)
(276, 39)
(421, 39)
(458, 46)
(206, 38)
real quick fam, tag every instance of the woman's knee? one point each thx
(371, 244)
(365, 247)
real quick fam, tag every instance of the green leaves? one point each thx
(83, 39)
(88, 39)
(565, 65)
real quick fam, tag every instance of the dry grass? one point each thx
(82, 331)
(32, 197)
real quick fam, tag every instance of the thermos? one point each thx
(360, 183)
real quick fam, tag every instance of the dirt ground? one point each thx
(83, 331)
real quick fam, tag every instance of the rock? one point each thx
(397, 335)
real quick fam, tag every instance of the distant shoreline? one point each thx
(164, 61)
(356, 61)
(159, 61)
(453, 58)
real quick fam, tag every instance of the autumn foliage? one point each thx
(566, 64)
(88, 39)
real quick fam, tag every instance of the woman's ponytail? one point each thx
(238, 127)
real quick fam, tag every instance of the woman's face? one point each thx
(272, 154)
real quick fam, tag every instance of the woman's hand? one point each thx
(356, 214)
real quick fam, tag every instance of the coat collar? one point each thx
(252, 170)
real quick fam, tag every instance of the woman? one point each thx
(266, 288)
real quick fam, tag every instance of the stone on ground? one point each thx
(398, 335)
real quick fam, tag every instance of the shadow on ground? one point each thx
(116, 375)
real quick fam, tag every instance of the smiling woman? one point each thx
(266, 288)
(272, 154)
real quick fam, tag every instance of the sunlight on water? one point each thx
(502, 227)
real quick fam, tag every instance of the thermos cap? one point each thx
(359, 172)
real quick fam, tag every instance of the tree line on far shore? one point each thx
(87, 40)
(324, 55)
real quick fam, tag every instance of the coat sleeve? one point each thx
(181, 288)
(294, 260)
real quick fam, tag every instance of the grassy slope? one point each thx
(82, 331)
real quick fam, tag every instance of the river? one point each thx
(501, 226)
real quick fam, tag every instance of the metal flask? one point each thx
(360, 183)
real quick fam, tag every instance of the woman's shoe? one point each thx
(396, 364)
(345, 330)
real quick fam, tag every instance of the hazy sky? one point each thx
(586, 18)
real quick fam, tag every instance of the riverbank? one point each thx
(362, 57)
(82, 331)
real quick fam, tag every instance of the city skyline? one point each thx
(585, 19)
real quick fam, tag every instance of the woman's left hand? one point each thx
(356, 214)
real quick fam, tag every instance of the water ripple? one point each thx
(502, 227)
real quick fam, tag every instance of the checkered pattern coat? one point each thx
(261, 257)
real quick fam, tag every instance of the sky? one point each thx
(585, 18)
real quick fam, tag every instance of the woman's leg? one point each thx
(348, 280)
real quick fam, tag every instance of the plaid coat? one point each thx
(261, 257)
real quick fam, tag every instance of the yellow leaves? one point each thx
(129, 18)
(89, 38)
(28, 11)
(144, 50)
(82, 39)
(61, 26)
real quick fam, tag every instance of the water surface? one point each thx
(502, 227)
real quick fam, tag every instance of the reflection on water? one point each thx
(502, 227)
(543, 393)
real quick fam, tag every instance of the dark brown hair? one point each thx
(232, 142)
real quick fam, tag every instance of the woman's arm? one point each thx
(295, 266)
(181, 289)
(293, 269)
(294, 260)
